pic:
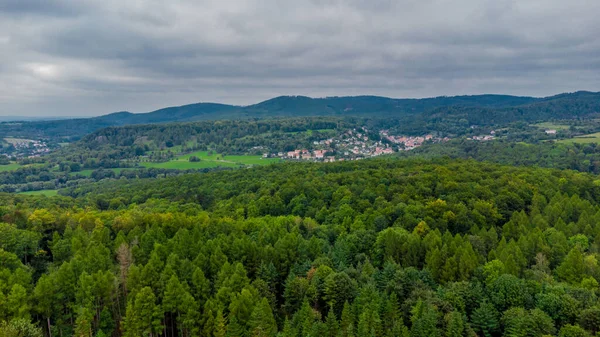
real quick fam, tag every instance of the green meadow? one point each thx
(552, 126)
(88, 173)
(9, 167)
(48, 193)
(210, 161)
(584, 139)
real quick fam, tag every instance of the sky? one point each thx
(93, 57)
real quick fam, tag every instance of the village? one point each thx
(24, 148)
(355, 144)
(408, 143)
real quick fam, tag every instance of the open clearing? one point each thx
(15, 141)
(584, 139)
(215, 160)
(9, 167)
(551, 126)
(88, 172)
(48, 193)
(310, 132)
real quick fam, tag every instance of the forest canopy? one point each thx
(381, 247)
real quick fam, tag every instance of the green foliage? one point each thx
(382, 248)
(19, 328)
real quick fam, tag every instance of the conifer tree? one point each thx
(262, 323)
(332, 324)
(455, 324)
(220, 325)
(347, 321)
(572, 268)
(485, 319)
(424, 320)
(234, 328)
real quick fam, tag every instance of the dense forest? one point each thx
(580, 157)
(383, 247)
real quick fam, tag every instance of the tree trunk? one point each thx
(49, 328)
(172, 325)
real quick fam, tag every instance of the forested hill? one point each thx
(382, 248)
(470, 109)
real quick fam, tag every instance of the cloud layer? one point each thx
(91, 57)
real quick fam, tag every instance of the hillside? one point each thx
(478, 109)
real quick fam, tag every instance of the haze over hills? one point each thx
(475, 109)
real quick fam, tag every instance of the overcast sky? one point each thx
(92, 57)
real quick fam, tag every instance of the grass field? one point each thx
(88, 173)
(48, 193)
(186, 165)
(206, 161)
(552, 126)
(15, 141)
(310, 132)
(585, 139)
(9, 167)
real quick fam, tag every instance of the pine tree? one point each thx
(347, 321)
(455, 325)
(448, 272)
(107, 323)
(83, 323)
(209, 323)
(220, 325)
(572, 268)
(17, 302)
(190, 315)
(44, 298)
(172, 297)
(332, 324)
(145, 314)
(369, 322)
(200, 286)
(288, 329)
(243, 304)
(391, 313)
(262, 323)
(485, 319)
(424, 321)
(234, 328)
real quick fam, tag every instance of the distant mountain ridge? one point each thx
(474, 108)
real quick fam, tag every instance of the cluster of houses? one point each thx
(410, 142)
(306, 154)
(483, 138)
(22, 148)
(351, 145)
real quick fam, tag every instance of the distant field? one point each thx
(9, 167)
(17, 140)
(585, 139)
(310, 132)
(88, 173)
(206, 161)
(552, 126)
(48, 193)
(186, 165)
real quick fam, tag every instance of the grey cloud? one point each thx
(97, 56)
